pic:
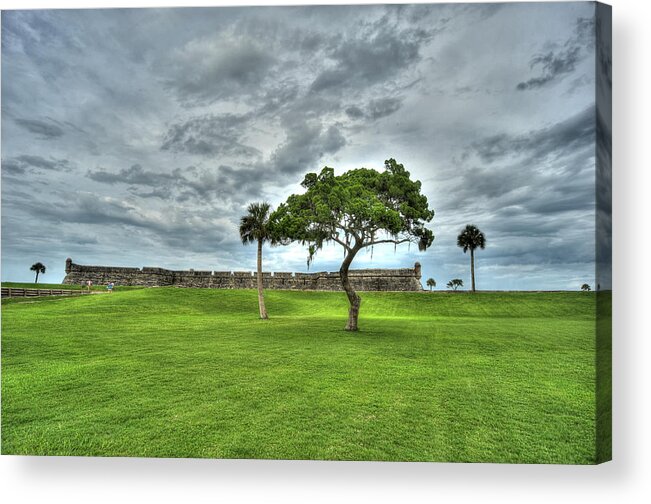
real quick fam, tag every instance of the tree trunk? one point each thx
(36, 281)
(263, 309)
(472, 268)
(354, 300)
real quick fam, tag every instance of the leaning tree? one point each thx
(469, 239)
(39, 268)
(357, 209)
(431, 283)
(254, 227)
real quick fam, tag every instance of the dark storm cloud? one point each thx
(538, 251)
(77, 239)
(552, 65)
(136, 175)
(308, 108)
(354, 112)
(228, 186)
(174, 228)
(162, 185)
(305, 145)
(375, 109)
(571, 191)
(522, 190)
(12, 167)
(306, 142)
(45, 130)
(211, 68)
(556, 64)
(24, 162)
(210, 135)
(277, 97)
(524, 182)
(90, 209)
(375, 55)
(222, 185)
(478, 183)
(383, 107)
(559, 139)
(46, 164)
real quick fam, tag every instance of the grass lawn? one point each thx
(167, 372)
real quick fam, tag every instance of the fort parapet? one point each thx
(406, 279)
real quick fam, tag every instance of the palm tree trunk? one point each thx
(472, 268)
(263, 309)
(36, 281)
(354, 300)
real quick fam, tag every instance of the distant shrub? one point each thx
(455, 283)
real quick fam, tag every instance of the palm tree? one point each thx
(585, 287)
(469, 239)
(431, 283)
(39, 268)
(254, 227)
(455, 283)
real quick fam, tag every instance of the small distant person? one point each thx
(110, 286)
(89, 284)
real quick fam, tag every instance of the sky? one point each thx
(138, 137)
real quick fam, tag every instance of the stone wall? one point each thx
(407, 279)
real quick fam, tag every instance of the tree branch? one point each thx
(342, 243)
(349, 230)
(354, 233)
(395, 242)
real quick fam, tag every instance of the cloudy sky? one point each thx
(138, 137)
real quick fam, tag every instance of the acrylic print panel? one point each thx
(370, 232)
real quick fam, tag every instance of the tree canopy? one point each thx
(254, 225)
(360, 208)
(471, 238)
(455, 283)
(357, 209)
(38, 267)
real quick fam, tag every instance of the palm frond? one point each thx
(254, 225)
(471, 238)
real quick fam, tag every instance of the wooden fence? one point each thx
(15, 292)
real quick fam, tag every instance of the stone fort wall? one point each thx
(406, 279)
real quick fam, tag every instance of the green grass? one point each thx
(490, 377)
